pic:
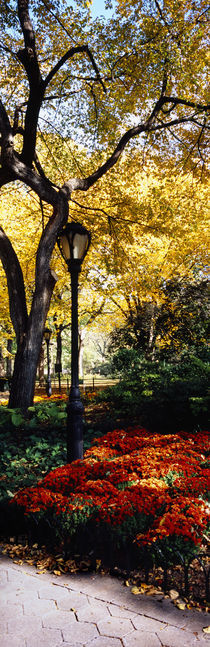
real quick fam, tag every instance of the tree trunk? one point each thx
(9, 360)
(24, 375)
(2, 364)
(28, 350)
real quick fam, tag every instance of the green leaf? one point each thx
(17, 419)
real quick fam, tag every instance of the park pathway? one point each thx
(88, 610)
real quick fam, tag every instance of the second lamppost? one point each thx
(74, 242)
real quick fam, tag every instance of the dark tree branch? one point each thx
(69, 54)
(185, 102)
(28, 58)
(6, 137)
(58, 20)
(161, 13)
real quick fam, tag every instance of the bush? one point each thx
(135, 493)
(164, 396)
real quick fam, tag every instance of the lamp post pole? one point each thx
(75, 407)
(74, 242)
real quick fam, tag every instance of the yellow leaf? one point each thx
(206, 630)
(181, 606)
(40, 572)
(135, 590)
(57, 572)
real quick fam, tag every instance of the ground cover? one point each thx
(34, 443)
(136, 498)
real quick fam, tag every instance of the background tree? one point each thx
(175, 327)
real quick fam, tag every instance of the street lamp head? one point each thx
(47, 334)
(74, 242)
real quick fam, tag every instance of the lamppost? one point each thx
(73, 242)
(47, 335)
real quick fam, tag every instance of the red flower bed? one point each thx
(145, 488)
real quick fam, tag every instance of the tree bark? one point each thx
(2, 364)
(9, 360)
(24, 375)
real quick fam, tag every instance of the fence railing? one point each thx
(88, 383)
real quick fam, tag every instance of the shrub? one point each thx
(133, 490)
(163, 396)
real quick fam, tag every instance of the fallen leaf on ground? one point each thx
(153, 591)
(206, 630)
(173, 594)
(41, 572)
(135, 590)
(181, 606)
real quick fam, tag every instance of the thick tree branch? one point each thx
(15, 283)
(185, 102)
(28, 58)
(69, 54)
(6, 137)
(48, 239)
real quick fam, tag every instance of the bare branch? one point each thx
(161, 13)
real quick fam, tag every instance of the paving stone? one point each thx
(141, 639)
(23, 626)
(115, 627)
(175, 637)
(12, 641)
(38, 607)
(3, 576)
(59, 619)
(75, 600)
(18, 596)
(78, 632)
(160, 611)
(8, 612)
(121, 612)
(45, 638)
(53, 592)
(147, 624)
(103, 641)
(195, 621)
(93, 613)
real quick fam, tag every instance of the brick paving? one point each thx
(87, 610)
